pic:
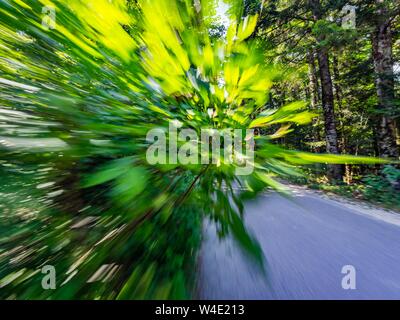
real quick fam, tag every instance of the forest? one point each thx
(342, 58)
(315, 83)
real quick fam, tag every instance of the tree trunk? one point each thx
(313, 91)
(312, 72)
(334, 171)
(383, 65)
(341, 130)
(338, 98)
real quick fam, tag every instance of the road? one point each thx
(306, 241)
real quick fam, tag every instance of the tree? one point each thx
(77, 103)
(383, 65)
(314, 96)
(331, 136)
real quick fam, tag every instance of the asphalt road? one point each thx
(306, 242)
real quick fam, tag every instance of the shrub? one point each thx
(383, 188)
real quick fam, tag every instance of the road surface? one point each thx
(306, 240)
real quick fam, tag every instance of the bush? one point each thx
(383, 188)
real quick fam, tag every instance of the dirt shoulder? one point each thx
(357, 205)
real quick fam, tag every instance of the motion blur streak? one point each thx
(76, 102)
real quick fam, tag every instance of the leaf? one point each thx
(246, 27)
(288, 113)
(269, 181)
(104, 175)
(246, 241)
(109, 171)
(130, 184)
(305, 157)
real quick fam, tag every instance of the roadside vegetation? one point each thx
(78, 98)
(380, 189)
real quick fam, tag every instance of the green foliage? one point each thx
(383, 188)
(77, 103)
(334, 35)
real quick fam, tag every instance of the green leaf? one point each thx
(130, 184)
(103, 175)
(246, 241)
